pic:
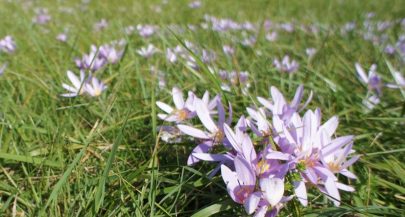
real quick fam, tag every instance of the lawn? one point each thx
(84, 86)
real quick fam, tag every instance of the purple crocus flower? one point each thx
(111, 53)
(41, 16)
(309, 143)
(62, 37)
(258, 122)
(279, 106)
(95, 87)
(241, 184)
(371, 101)
(146, 30)
(286, 65)
(7, 44)
(100, 25)
(266, 210)
(271, 36)
(91, 61)
(194, 4)
(389, 49)
(147, 51)
(214, 135)
(184, 108)
(372, 80)
(228, 50)
(249, 41)
(208, 56)
(91, 86)
(171, 55)
(310, 52)
(247, 166)
(288, 27)
(78, 83)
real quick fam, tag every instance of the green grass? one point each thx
(101, 156)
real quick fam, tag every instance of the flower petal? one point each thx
(252, 202)
(332, 191)
(301, 192)
(194, 132)
(204, 115)
(178, 98)
(165, 107)
(273, 189)
(244, 171)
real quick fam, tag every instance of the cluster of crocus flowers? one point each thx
(94, 61)
(270, 157)
(83, 84)
(286, 65)
(101, 56)
(374, 84)
(42, 16)
(7, 44)
(230, 79)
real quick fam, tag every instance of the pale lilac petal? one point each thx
(275, 155)
(301, 192)
(221, 113)
(261, 212)
(332, 191)
(211, 157)
(331, 125)
(248, 150)
(178, 98)
(194, 132)
(324, 172)
(273, 189)
(350, 162)
(74, 79)
(69, 94)
(361, 73)
(201, 148)
(336, 144)
(311, 175)
(162, 116)
(252, 202)
(308, 101)
(298, 96)
(165, 107)
(230, 135)
(266, 103)
(69, 88)
(204, 115)
(244, 171)
(392, 86)
(344, 187)
(348, 174)
(278, 99)
(230, 179)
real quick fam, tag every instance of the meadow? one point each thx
(85, 86)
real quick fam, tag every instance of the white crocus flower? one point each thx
(78, 85)
(96, 87)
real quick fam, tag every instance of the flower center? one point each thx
(97, 91)
(182, 114)
(263, 166)
(242, 193)
(218, 137)
(335, 168)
